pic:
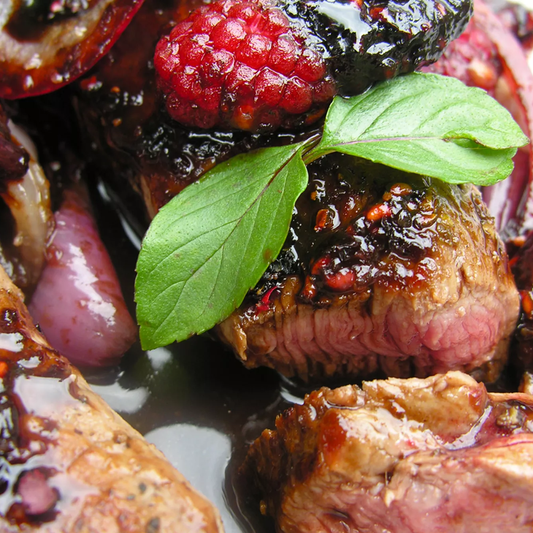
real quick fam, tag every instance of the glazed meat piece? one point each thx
(68, 462)
(139, 147)
(381, 270)
(413, 293)
(410, 456)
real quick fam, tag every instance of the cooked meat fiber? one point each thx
(402, 456)
(381, 270)
(68, 462)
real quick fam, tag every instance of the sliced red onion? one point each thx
(29, 202)
(78, 302)
(37, 496)
(511, 201)
(45, 45)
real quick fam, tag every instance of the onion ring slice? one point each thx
(46, 47)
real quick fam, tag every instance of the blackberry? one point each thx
(260, 65)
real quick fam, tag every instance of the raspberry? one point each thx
(259, 65)
(238, 64)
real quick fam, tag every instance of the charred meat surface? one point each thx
(409, 456)
(421, 292)
(381, 270)
(68, 462)
(143, 149)
(140, 151)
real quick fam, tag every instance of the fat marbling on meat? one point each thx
(382, 270)
(402, 456)
(68, 462)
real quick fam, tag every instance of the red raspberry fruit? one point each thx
(241, 65)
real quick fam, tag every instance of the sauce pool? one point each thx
(193, 400)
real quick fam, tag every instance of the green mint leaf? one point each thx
(211, 243)
(426, 124)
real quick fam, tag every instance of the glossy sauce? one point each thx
(198, 404)
(194, 400)
(32, 384)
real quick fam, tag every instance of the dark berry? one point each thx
(259, 65)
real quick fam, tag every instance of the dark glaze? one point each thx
(124, 115)
(34, 382)
(128, 128)
(366, 41)
(198, 385)
(358, 224)
(194, 396)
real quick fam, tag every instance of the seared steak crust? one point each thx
(411, 456)
(381, 270)
(69, 463)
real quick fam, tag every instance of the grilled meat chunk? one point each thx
(381, 270)
(68, 462)
(424, 290)
(409, 456)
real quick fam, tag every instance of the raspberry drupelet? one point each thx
(241, 65)
(259, 65)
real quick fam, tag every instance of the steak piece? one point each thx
(381, 270)
(410, 456)
(67, 461)
(411, 293)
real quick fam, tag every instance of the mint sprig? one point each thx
(426, 124)
(210, 244)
